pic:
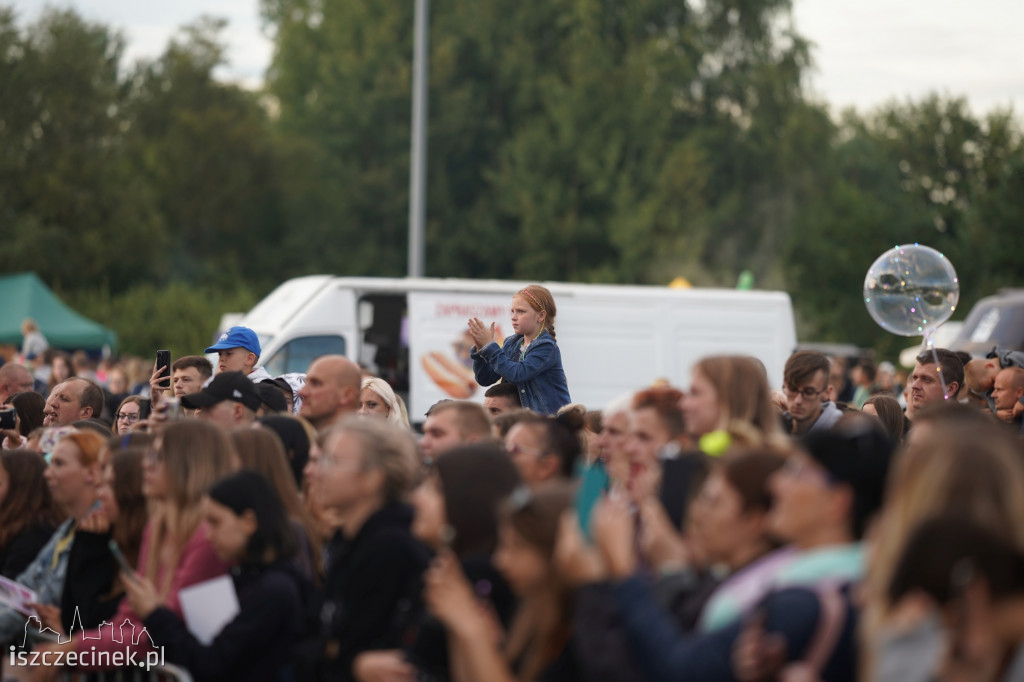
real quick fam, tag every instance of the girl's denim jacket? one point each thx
(538, 375)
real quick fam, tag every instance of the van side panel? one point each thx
(613, 339)
(610, 345)
(278, 309)
(762, 329)
(611, 342)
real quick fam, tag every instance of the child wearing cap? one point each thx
(238, 350)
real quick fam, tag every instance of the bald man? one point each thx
(71, 401)
(331, 392)
(14, 379)
(980, 374)
(1007, 391)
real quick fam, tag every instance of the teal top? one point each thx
(780, 569)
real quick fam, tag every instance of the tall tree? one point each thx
(571, 139)
(341, 73)
(205, 149)
(72, 208)
(929, 172)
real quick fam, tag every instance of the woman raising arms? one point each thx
(530, 358)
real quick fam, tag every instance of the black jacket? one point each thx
(19, 552)
(254, 647)
(89, 582)
(429, 650)
(372, 590)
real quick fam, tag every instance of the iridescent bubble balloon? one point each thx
(911, 289)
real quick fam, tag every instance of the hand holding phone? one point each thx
(163, 365)
(8, 418)
(126, 568)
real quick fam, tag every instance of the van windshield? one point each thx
(298, 354)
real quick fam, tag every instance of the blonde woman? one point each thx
(378, 399)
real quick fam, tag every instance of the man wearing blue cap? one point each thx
(239, 350)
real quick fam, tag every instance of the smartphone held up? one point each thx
(163, 365)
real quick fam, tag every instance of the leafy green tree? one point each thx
(71, 206)
(929, 172)
(856, 211)
(206, 151)
(180, 317)
(341, 75)
(145, 194)
(584, 139)
(955, 166)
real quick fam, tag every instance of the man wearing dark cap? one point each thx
(273, 399)
(230, 400)
(238, 350)
(287, 391)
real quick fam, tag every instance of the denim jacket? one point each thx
(539, 375)
(45, 576)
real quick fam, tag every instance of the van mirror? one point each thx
(365, 315)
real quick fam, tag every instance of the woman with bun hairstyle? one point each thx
(545, 448)
(530, 358)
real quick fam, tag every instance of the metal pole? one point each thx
(418, 160)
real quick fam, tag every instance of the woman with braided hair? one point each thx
(530, 358)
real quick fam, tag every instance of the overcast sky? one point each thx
(865, 51)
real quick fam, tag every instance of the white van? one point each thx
(613, 339)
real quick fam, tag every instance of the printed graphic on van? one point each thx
(441, 342)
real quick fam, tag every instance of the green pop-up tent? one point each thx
(25, 295)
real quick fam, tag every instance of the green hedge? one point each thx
(180, 317)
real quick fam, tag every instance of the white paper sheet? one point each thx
(208, 607)
(17, 596)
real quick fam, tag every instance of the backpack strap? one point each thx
(830, 621)
(831, 618)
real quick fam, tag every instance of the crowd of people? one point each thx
(834, 528)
